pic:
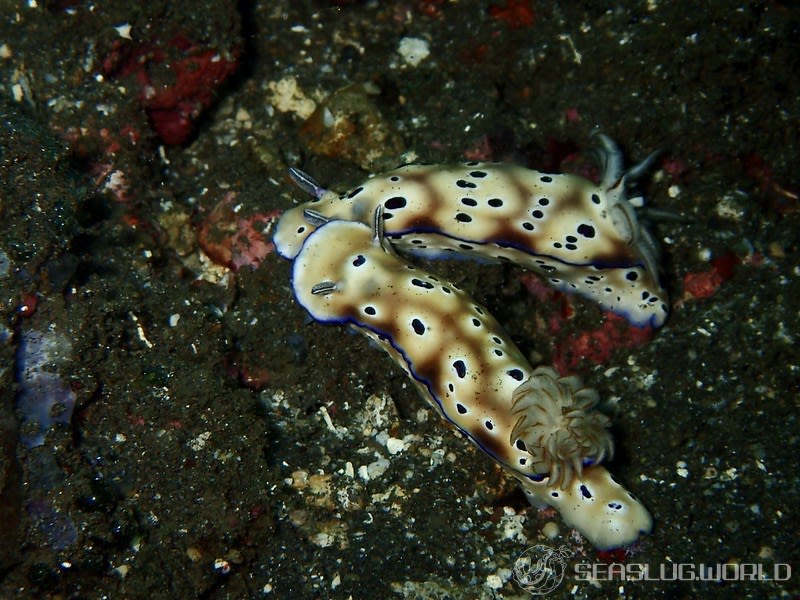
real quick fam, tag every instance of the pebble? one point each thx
(413, 50)
(551, 530)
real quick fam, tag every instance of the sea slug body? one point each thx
(579, 236)
(541, 427)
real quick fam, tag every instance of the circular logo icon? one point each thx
(540, 569)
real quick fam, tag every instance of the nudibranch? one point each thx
(579, 236)
(541, 427)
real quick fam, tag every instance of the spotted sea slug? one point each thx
(541, 427)
(579, 236)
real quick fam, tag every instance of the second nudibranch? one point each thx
(541, 427)
(579, 236)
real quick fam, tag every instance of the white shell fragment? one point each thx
(413, 50)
